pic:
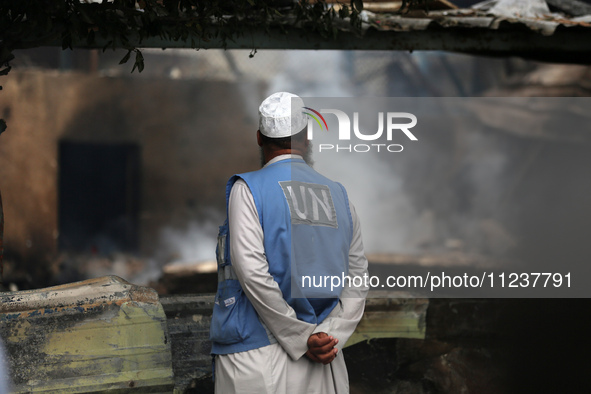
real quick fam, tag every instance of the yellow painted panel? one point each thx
(389, 324)
(99, 335)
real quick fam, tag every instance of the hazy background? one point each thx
(84, 133)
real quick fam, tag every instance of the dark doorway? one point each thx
(98, 197)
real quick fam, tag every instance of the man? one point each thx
(270, 332)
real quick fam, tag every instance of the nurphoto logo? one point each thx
(397, 123)
(315, 118)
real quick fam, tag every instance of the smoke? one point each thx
(314, 74)
(194, 243)
(385, 211)
(441, 193)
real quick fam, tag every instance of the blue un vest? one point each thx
(308, 229)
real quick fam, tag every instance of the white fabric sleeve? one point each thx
(249, 261)
(345, 316)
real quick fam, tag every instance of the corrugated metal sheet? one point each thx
(481, 17)
(525, 28)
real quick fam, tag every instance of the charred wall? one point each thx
(182, 129)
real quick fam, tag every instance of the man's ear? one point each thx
(259, 138)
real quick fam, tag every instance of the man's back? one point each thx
(284, 222)
(307, 229)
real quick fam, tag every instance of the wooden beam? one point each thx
(566, 45)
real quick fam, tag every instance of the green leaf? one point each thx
(139, 61)
(126, 57)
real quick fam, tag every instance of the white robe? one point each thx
(282, 367)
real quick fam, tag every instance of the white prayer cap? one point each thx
(276, 119)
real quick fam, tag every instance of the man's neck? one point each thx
(283, 157)
(271, 154)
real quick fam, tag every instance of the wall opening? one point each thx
(99, 195)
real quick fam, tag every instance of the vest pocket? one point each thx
(228, 322)
(221, 251)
